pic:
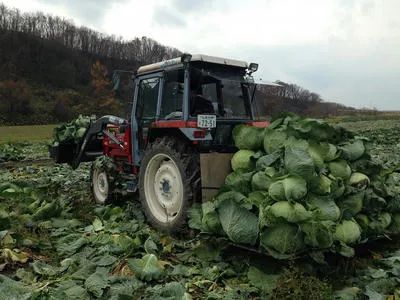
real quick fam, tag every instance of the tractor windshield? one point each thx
(220, 90)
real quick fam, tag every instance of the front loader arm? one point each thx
(89, 147)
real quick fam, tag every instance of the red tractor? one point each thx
(176, 147)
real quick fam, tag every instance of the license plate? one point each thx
(206, 121)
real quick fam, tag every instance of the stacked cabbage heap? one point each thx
(71, 132)
(300, 186)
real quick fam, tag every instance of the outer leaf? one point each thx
(96, 283)
(239, 224)
(147, 268)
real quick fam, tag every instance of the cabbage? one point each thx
(340, 169)
(380, 223)
(318, 234)
(241, 160)
(239, 224)
(322, 152)
(274, 140)
(359, 180)
(321, 185)
(351, 205)
(295, 188)
(348, 232)
(292, 213)
(323, 208)
(363, 221)
(299, 162)
(353, 151)
(289, 188)
(247, 137)
(283, 239)
(239, 182)
(260, 181)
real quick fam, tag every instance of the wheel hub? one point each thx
(100, 186)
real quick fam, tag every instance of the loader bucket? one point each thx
(214, 169)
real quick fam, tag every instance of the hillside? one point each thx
(52, 70)
(48, 67)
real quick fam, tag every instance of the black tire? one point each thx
(187, 161)
(109, 195)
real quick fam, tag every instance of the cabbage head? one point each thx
(299, 162)
(248, 137)
(379, 223)
(322, 152)
(318, 234)
(295, 188)
(323, 208)
(282, 239)
(239, 224)
(348, 232)
(340, 169)
(353, 150)
(351, 205)
(359, 180)
(292, 213)
(241, 160)
(289, 188)
(337, 187)
(321, 185)
(239, 182)
(261, 181)
(274, 140)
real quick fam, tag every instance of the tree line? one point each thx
(54, 28)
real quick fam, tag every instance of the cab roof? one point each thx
(196, 57)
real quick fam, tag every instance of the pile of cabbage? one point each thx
(302, 186)
(71, 132)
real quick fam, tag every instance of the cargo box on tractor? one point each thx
(176, 147)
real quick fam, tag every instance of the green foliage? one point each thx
(247, 137)
(241, 160)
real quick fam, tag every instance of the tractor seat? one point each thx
(202, 105)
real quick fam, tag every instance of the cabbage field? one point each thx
(55, 243)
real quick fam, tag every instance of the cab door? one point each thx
(145, 108)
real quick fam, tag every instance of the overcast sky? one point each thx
(348, 51)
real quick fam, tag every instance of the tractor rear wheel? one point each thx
(169, 182)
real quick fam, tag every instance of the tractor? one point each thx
(175, 148)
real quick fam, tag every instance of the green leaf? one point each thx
(96, 283)
(150, 247)
(147, 268)
(261, 280)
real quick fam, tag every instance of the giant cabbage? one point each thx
(348, 232)
(288, 188)
(274, 140)
(290, 212)
(353, 150)
(282, 239)
(340, 169)
(323, 208)
(299, 162)
(239, 224)
(241, 160)
(247, 137)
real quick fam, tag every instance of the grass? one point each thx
(28, 133)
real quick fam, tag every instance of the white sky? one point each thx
(348, 51)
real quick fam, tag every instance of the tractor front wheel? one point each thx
(168, 183)
(101, 185)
